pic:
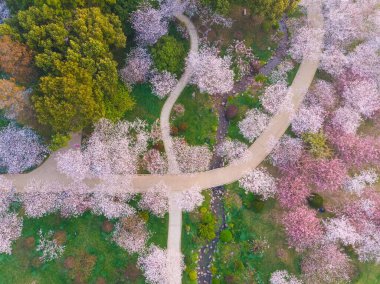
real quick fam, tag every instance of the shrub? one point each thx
(226, 236)
(59, 141)
(193, 275)
(231, 112)
(261, 78)
(315, 201)
(168, 55)
(182, 127)
(174, 130)
(207, 231)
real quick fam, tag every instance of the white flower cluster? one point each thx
(260, 182)
(346, 119)
(283, 277)
(231, 150)
(190, 199)
(253, 124)
(308, 119)
(358, 183)
(274, 96)
(49, 247)
(211, 73)
(163, 83)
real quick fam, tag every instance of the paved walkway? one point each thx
(175, 213)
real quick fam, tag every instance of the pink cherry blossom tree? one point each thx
(259, 182)
(287, 152)
(355, 151)
(163, 83)
(20, 149)
(155, 162)
(190, 199)
(137, 66)
(322, 94)
(191, 158)
(155, 265)
(293, 190)
(76, 200)
(73, 164)
(340, 230)
(346, 119)
(304, 43)
(326, 264)
(302, 227)
(253, 124)
(308, 119)
(41, 198)
(362, 95)
(112, 205)
(149, 24)
(155, 200)
(7, 194)
(131, 234)
(211, 73)
(231, 150)
(10, 230)
(358, 183)
(274, 96)
(283, 277)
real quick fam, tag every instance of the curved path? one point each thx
(175, 212)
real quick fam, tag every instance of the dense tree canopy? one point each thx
(72, 42)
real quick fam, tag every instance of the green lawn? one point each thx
(240, 261)
(86, 241)
(200, 117)
(148, 106)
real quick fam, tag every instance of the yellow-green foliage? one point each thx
(317, 144)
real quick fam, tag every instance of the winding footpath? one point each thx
(177, 181)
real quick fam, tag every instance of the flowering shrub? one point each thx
(20, 149)
(49, 247)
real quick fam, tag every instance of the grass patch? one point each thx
(200, 118)
(85, 240)
(259, 246)
(148, 106)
